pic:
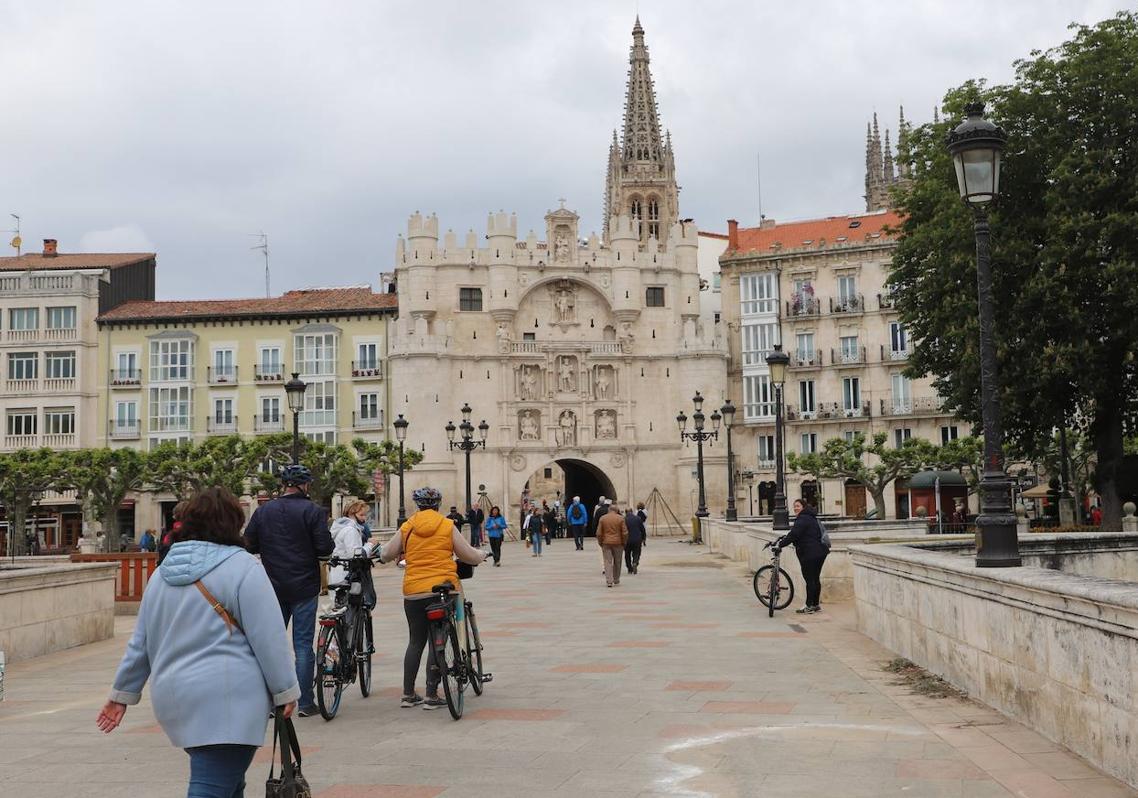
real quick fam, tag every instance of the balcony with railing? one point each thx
(766, 465)
(366, 422)
(805, 359)
(851, 303)
(800, 306)
(125, 378)
(60, 440)
(221, 425)
(838, 410)
(59, 384)
(886, 301)
(22, 386)
(21, 441)
(129, 430)
(893, 355)
(907, 406)
(367, 370)
(796, 413)
(25, 336)
(171, 424)
(60, 334)
(273, 372)
(264, 424)
(848, 356)
(593, 347)
(221, 375)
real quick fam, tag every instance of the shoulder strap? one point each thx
(289, 745)
(219, 608)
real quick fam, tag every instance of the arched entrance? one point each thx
(563, 479)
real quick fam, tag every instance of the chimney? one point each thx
(49, 245)
(732, 235)
(766, 224)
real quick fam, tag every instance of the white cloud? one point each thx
(124, 238)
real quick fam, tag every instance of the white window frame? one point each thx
(804, 343)
(126, 365)
(171, 408)
(270, 410)
(171, 360)
(372, 360)
(315, 354)
(23, 318)
(898, 339)
(67, 315)
(900, 435)
(807, 401)
(63, 361)
(368, 406)
(224, 362)
(848, 348)
(901, 393)
(22, 421)
(851, 393)
(765, 449)
(758, 294)
(126, 414)
(808, 442)
(949, 433)
(758, 397)
(759, 338)
(59, 420)
(319, 404)
(23, 365)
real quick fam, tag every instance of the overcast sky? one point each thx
(182, 127)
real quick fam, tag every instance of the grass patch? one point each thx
(919, 680)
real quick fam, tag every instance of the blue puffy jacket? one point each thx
(290, 533)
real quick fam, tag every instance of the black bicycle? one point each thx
(345, 644)
(773, 585)
(458, 664)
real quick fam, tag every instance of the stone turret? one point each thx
(502, 235)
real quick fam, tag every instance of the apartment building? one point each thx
(48, 304)
(818, 287)
(186, 370)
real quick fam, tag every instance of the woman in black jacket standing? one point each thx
(806, 537)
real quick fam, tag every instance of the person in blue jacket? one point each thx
(495, 531)
(215, 673)
(577, 516)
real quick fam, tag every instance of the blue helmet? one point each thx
(427, 498)
(295, 474)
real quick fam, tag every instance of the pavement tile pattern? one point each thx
(674, 683)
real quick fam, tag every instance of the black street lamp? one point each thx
(467, 443)
(976, 146)
(777, 361)
(294, 390)
(400, 425)
(699, 436)
(728, 413)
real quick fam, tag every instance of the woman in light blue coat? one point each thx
(216, 672)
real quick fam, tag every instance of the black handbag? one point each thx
(291, 783)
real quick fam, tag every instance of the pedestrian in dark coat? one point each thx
(806, 537)
(549, 520)
(637, 539)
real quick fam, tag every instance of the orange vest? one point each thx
(429, 550)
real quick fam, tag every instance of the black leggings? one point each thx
(496, 548)
(812, 574)
(417, 633)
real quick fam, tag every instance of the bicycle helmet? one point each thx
(427, 498)
(295, 474)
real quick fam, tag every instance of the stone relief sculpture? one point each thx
(567, 373)
(606, 424)
(561, 247)
(567, 423)
(503, 335)
(529, 425)
(564, 304)
(603, 384)
(529, 383)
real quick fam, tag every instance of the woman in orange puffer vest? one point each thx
(429, 542)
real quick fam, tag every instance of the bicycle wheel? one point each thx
(449, 659)
(329, 673)
(363, 652)
(473, 650)
(784, 587)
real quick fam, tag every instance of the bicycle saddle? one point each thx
(445, 587)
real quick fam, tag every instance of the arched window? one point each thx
(636, 211)
(653, 217)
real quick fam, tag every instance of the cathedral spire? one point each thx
(887, 172)
(641, 140)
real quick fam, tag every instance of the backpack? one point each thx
(825, 534)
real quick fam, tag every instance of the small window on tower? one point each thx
(654, 296)
(549, 473)
(470, 299)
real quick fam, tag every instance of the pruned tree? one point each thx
(102, 479)
(25, 476)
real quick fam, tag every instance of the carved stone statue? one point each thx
(503, 334)
(603, 385)
(567, 422)
(528, 389)
(564, 303)
(567, 373)
(529, 425)
(561, 248)
(606, 424)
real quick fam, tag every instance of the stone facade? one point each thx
(576, 349)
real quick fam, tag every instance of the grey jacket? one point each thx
(209, 685)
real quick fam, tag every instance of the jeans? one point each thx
(537, 541)
(417, 634)
(218, 771)
(303, 614)
(496, 549)
(812, 574)
(578, 535)
(476, 535)
(632, 556)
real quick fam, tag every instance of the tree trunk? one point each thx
(878, 495)
(1107, 432)
(17, 525)
(110, 531)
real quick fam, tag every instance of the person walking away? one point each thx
(637, 539)
(642, 514)
(210, 640)
(578, 518)
(475, 518)
(549, 520)
(347, 533)
(806, 537)
(291, 534)
(147, 542)
(168, 538)
(495, 531)
(429, 543)
(612, 535)
(535, 532)
(599, 510)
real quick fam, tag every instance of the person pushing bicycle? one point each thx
(429, 542)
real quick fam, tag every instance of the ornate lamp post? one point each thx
(777, 361)
(467, 443)
(294, 390)
(400, 425)
(976, 145)
(728, 413)
(699, 436)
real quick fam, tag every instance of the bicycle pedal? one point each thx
(487, 677)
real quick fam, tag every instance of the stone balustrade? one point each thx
(50, 606)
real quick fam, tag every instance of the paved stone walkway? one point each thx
(675, 683)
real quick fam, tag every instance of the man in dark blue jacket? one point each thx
(291, 534)
(578, 518)
(637, 537)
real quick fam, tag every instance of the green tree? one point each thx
(965, 455)
(842, 459)
(25, 476)
(1064, 251)
(102, 478)
(229, 461)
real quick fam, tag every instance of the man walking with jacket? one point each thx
(612, 534)
(578, 518)
(291, 534)
(637, 538)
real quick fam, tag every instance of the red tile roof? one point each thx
(33, 261)
(324, 301)
(817, 233)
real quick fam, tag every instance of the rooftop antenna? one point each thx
(263, 245)
(759, 182)
(17, 242)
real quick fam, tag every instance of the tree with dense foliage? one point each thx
(229, 461)
(102, 478)
(846, 459)
(25, 476)
(1064, 249)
